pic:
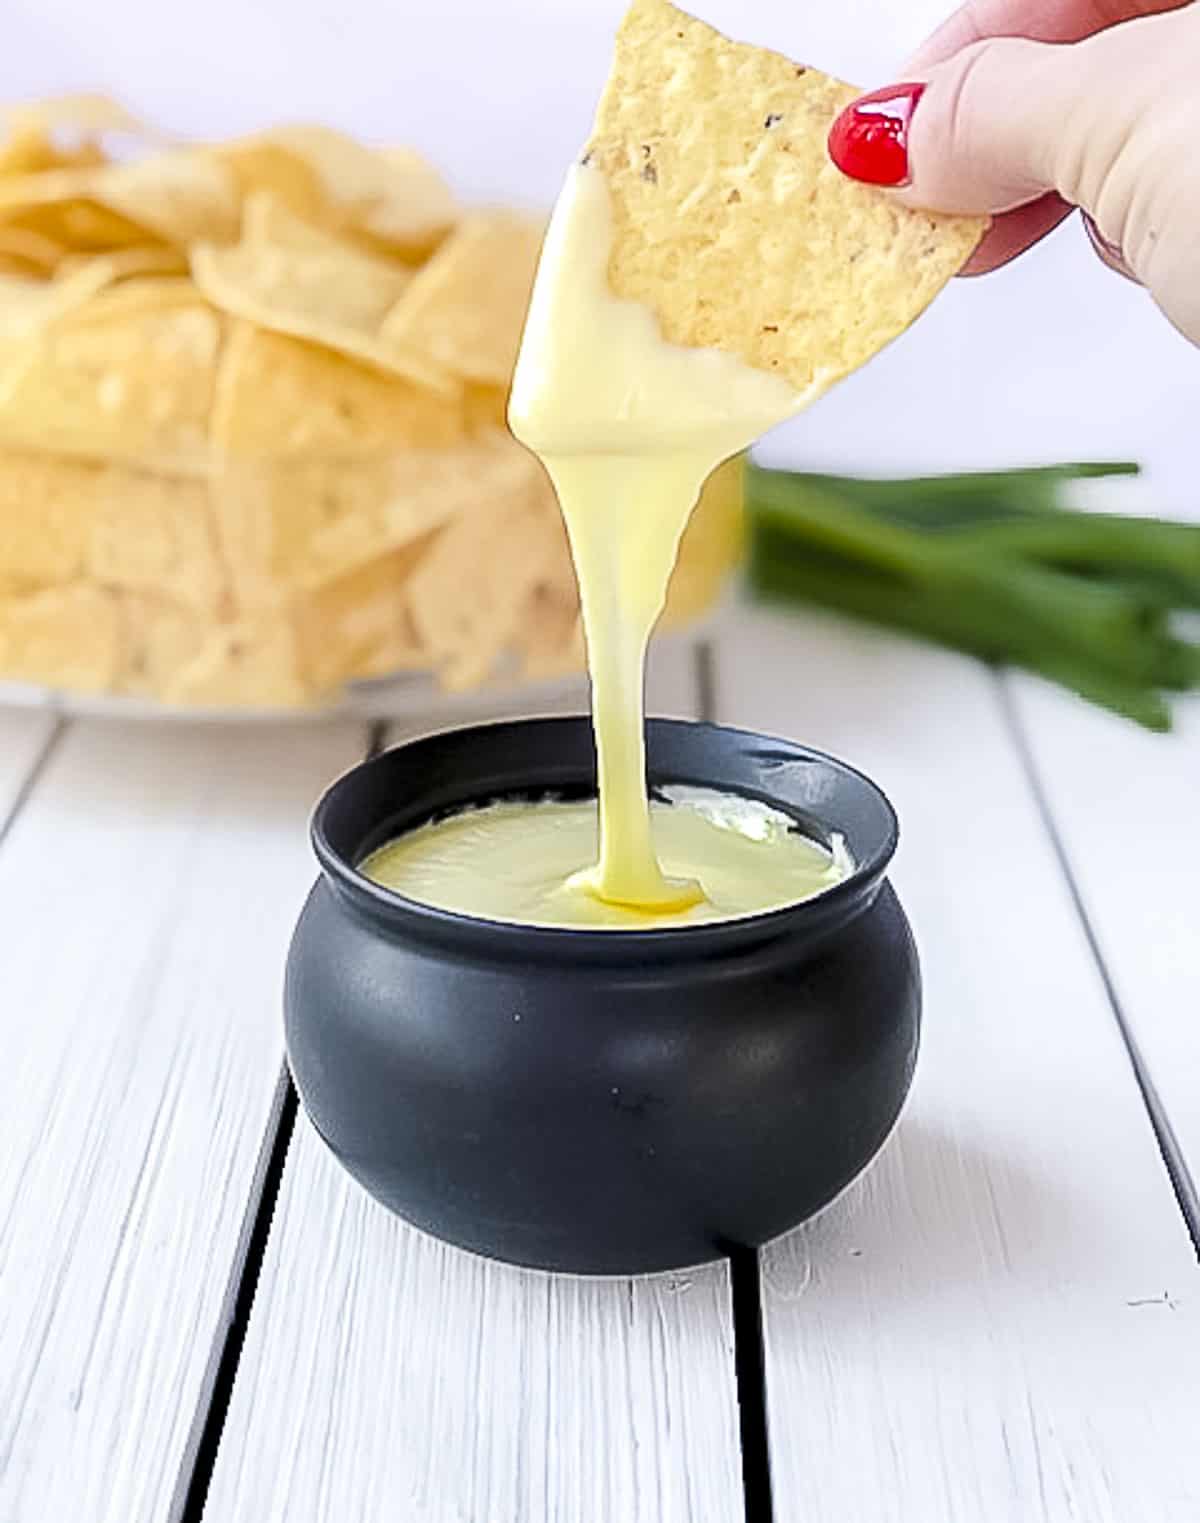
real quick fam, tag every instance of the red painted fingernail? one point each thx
(869, 140)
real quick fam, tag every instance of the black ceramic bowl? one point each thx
(602, 1102)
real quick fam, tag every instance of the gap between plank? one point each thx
(751, 1381)
(1182, 1183)
(204, 1441)
(200, 1454)
(744, 1274)
(40, 762)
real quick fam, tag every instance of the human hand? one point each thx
(1030, 108)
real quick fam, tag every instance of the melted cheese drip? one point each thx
(516, 862)
(629, 428)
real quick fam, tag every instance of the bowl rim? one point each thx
(396, 912)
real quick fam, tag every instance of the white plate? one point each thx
(408, 697)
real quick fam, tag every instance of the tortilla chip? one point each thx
(410, 207)
(136, 385)
(270, 516)
(422, 490)
(730, 221)
(262, 167)
(160, 639)
(77, 224)
(710, 548)
(156, 534)
(549, 633)
(33, 248)
(63, 637)
(138, 261)
(274, 521)
(485, 407)
(29, 306)
(27, 150)
(279, 395)
(391, 195)
(64, 520)
(253, 663)
(33, 135)
(351, 626)
(466, 308)
(117, 299)
(291, 277)
(296, 523)
(287, 271)
(82, 115)
(550, 641)
(358, 625)
(468, 592)
(269, 223)
(178, 197)
(46, 507)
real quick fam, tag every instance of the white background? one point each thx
(1052, 359)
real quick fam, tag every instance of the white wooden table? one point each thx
(201, 1316)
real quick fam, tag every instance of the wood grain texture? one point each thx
(1127, 808)
(386, 1376)
(147, 890)
(999, 1322)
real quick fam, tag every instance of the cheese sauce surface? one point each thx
(518, 862)
(629, 427)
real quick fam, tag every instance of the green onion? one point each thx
(993, 564)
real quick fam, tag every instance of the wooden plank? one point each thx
(387, 1376)
(147, 889)
(1000, 1320)
(1126, 805)
(24, 736)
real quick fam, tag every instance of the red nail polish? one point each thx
(869, 140)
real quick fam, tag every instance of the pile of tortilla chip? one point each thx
(252, 436)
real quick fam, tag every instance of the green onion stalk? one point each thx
(995, 564)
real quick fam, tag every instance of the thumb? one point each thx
(1005, 120)
(985, 124)
(978, 133)
(1110, 123)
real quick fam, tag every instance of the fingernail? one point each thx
(869, 140)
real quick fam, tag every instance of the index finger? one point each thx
(1038, 20)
